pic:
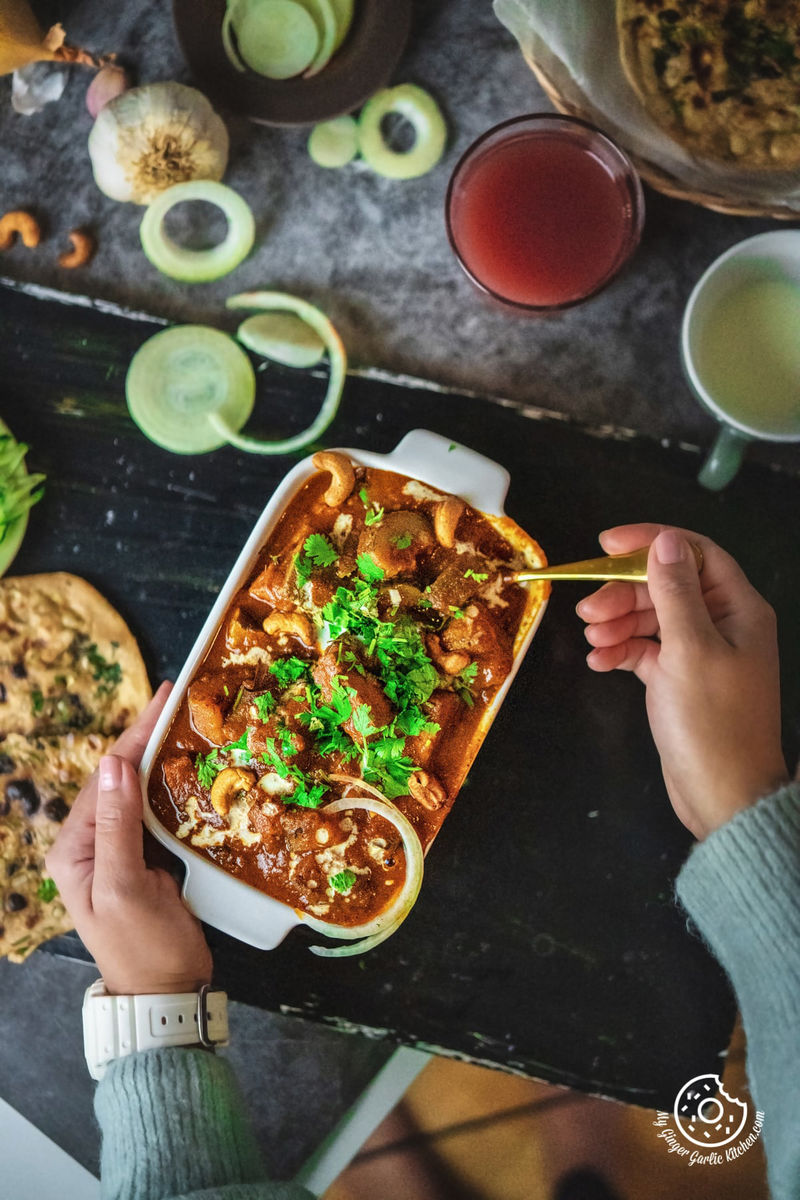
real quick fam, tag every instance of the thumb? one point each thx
(118, 842)
(673, 582)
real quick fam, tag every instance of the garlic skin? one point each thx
(109, 82)
(152, 137)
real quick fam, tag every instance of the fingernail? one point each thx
(670, 547)
(110, 773)
(579, 608)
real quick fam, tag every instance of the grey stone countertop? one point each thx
(373, 252)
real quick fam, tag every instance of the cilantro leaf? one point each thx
(402, 541)
(374, 517)
(47, 890)
(289, 670)
(265, 704)
(462, 682)
(208, 766)
(478, 576)
(319, 550)
(342, 881)
(303, 570)
(458, 613)
(369, 569)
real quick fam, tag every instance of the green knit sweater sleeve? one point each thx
(174, 1127)
(741, 887)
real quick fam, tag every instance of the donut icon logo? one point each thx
(706, 1115)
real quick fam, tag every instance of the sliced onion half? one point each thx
(372, 933)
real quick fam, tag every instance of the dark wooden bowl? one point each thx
(363, 64)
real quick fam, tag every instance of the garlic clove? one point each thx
(150, 138)
(109, 82)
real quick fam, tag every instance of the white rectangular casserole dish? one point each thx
(214, 895)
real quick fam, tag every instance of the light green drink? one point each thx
(748, 357)
(740, 346)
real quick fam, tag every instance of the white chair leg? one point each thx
(378, 1099)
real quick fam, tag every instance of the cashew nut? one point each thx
(343, 476)
(83, 247)
(427, 790)
(295, 624)
(451, 661)
(230, 784)
(446, 516)
(22, 223)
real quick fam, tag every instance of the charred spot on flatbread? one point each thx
(722, 77)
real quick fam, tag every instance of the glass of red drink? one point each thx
(542, 211)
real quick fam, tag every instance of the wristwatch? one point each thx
(115, 1026)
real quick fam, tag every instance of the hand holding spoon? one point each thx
(631, 567)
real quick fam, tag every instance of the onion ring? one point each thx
(373, 932)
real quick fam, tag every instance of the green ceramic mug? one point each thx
(740, 348)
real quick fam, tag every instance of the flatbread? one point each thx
(39, 779)
(68, 661)
(721, 77)
(71, 679)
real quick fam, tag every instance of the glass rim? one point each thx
(633, 233)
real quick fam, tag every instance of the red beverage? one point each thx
(543, 211)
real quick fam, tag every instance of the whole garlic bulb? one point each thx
(152, 137)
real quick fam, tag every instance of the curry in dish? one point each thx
(360, 657)
(722, 77)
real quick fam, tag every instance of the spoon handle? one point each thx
(630, 567)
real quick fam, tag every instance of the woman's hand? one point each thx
(705, 648)
(130, 916)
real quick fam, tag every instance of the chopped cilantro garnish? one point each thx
(265, 704)
(364, 497)
(361, 721)
(451, 447)
(478, 576)
(342, 881)
(402, 541)
(107, 674)
(225, 689)
(458, 613)
(319, 550)
(37, 702)
(208, 766)
(369, 569)
(462, 682)
(289, 670)
(47, 890)
(374, 517)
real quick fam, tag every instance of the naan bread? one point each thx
(71, 679)
(39, 779)
(722, 77)
(68, 661)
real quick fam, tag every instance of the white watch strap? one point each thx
(115, 1026)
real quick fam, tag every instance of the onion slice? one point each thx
(284, 302)
(198, 266)
(418, 107)
(373, 932)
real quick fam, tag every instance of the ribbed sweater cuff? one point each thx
(741, 887)
(173, 1122)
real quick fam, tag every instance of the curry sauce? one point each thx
(368, 642)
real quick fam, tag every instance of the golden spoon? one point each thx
(630, 568)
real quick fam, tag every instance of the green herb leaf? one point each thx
(319, 550)
(288, 670)
(369, 569)
(402, 541)
(265, 704)
(342, 881)
(47, 890)
(458, 613)
(37, 702)
(478, 576)
(303, 570)
(375, 517)
(209, 766)
(109, 674)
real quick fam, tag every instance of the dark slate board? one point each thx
(584, 973)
